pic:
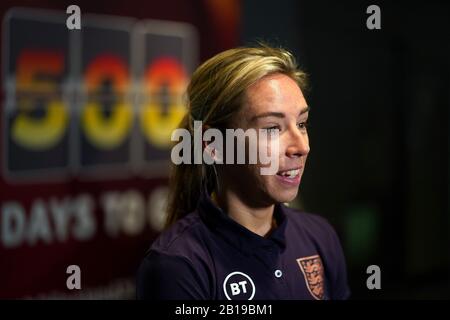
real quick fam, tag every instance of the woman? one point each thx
(229, 235)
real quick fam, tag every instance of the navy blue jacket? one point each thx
(207, 255)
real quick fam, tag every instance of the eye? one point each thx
(303, 125)
(272, 128)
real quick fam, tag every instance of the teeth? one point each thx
(291, 173)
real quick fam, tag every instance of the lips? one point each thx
(289, 173)
(289, 178)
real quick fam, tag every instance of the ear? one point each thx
(210, 151)
(204, 143)
(215, 154)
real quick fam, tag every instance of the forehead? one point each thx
(277, 92)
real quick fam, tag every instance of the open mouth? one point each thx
(290, 174)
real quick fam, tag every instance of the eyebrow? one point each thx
(277, 114)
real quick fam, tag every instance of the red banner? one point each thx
(86, 121)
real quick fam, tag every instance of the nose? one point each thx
(298, 144)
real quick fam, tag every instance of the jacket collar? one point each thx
(236, 234)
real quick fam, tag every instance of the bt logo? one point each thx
(239, 286)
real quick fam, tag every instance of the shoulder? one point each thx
(315, 229)
(184, 238)
(173, 267)
(314, 225)
(318, 231)
(169, 277)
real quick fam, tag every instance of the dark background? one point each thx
(380, 99)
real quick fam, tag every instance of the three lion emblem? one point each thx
(312, 269)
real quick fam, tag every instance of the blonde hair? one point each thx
(215, 93)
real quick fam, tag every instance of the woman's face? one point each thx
(274, 103)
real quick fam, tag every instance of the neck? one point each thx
(259, 220)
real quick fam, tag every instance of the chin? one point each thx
(286, 195)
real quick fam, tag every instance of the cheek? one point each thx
(268, 148)
(254, 179)
(274, 147)
(243, 176)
